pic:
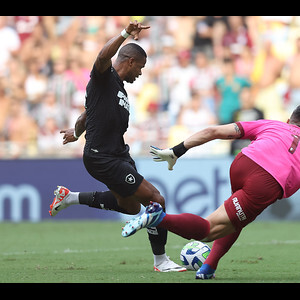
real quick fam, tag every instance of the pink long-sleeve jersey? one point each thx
(275, 147)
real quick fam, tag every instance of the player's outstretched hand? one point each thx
(68, 136)
(134, 28)
(164, 155)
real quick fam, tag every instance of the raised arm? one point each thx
(103, 61)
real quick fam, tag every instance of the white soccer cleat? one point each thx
(59, 202)
(169, 266)
(152, 216)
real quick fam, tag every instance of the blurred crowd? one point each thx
(200, 71)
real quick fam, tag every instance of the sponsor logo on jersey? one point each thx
(239, 211)
(123, 100)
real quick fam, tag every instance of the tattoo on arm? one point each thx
(238, 132)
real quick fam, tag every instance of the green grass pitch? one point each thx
(95, 252)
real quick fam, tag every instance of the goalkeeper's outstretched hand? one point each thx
(164, 155)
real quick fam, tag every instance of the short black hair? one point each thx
(295, 117)
(131, 50)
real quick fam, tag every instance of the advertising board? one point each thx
(196, 186)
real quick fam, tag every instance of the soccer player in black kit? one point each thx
(106, 156)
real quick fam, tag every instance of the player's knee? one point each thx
(157, 197)
(133, 208)
(218, 231)
(148, 193)
(134, 211)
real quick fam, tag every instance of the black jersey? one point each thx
(107, 114)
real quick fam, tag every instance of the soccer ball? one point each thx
(194, 254)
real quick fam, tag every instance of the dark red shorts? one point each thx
(253, 190)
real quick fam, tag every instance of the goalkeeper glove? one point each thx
(164, 155)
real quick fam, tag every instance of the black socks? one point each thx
(101, 200)
(106, 200)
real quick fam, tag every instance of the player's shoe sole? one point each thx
(205, 272)
(152, 216)
(59, 203)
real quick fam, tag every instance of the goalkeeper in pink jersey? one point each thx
(265, 171)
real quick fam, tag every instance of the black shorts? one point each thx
(117, 173)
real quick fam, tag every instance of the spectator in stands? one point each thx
(25, 25)
(9, 45)
(50, 108)
(21, 131)
(48, 138)
(195, 114)
(203, 36)
(209, 32)
(177, 69)
(247, 112)
(36, 47)
(177, 25)
(236, 37)
(244, 63)
(14, 81)
(35, 86)
(266, 72)
(62, 87)
(294, 78)
(78, 75)
(229, 87)
(5, 102)
(162, 63)
(180, 77)
(204, 79)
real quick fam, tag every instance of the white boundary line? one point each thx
(76, 251)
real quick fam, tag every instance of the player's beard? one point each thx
(130, 80)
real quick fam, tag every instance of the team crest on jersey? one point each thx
(130, 179)
(123, 100)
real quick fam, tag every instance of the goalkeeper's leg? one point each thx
(220, 247)
(190, 226)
